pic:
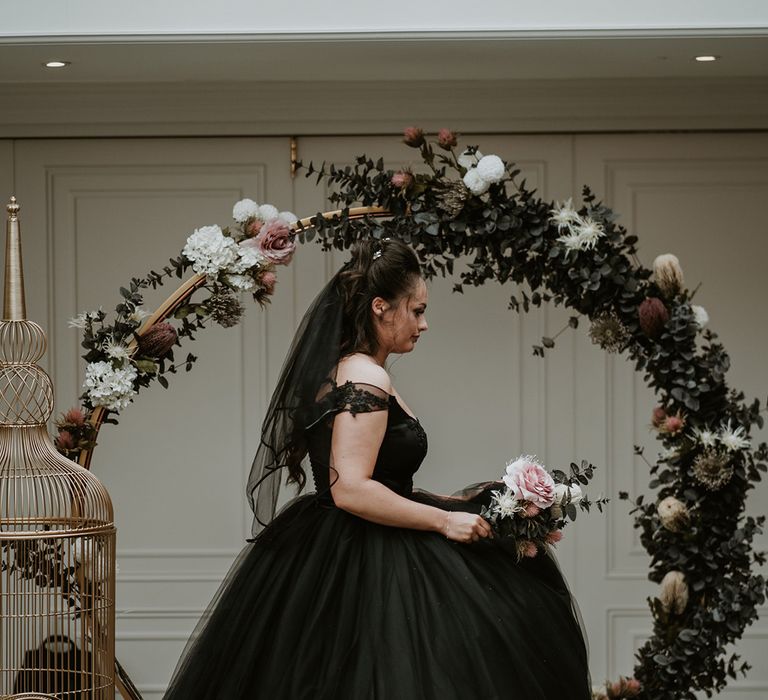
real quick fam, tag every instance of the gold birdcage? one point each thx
(57, 533)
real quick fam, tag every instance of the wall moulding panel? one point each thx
(357, 107)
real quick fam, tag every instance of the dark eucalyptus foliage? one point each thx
(507, 235)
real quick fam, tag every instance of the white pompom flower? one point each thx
(210, 251)
(288, 216)
(475, 184)
(245, 209)
(268, 213)
(491, 169)
(109, 387)
(468, 160)
(700, 316)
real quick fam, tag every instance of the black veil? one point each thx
(310, 362)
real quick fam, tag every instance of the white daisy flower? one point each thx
(505, 504)
(589, 232)
(733, 439)
(708, 438)
(564, 214)
(116, 350)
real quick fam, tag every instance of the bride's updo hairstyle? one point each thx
(379, 268)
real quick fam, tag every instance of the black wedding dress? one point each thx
(325, 605)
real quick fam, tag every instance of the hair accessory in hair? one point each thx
(377, 253)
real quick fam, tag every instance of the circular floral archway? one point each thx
(466, 205)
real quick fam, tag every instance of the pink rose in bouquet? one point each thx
(530, 481)
(276, 242)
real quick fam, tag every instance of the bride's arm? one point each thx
(355, 445)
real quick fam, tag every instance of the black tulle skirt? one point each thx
(327, 606)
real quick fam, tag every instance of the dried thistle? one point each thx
(674, 593)
(226, 309)
(607, 331)
(712, 469)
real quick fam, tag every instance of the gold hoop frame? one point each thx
(188, 288)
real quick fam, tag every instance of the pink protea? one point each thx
(446, 139)
(276, 242)
(528, 548)
(632, 687)
(658, 416)
(268, 281)
(653, 316)
(553, 536)
(65, 440)
(253, 227)
(531, 510)
(413, 136)
(74, 416)
(158, 340)
(402, 179)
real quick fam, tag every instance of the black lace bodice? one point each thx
(402, 450)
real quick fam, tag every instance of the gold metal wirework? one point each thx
(57, 533)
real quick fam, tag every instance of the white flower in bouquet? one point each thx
(248, 257)
(505, 504)
(733, 439)
(83, 319)
(700, 316)
(491, 169)
(242, 283)
(475, 184)
(468, 160)
(138, 315)
(571, 241)
(116, 350)
(245, 209)
(527, 478)
(565, 494)
(706, 437)
(268, 213)
(288, 216)
(589, 232)
(564, 214)
(210, 251)
(109, 387)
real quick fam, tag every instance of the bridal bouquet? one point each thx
(535, 505)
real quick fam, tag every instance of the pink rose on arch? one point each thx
(276, 242)
(529, 481)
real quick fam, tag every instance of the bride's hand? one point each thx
(466, 527)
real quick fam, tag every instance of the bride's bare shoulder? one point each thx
(360, 368)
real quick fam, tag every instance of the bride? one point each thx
(366, 588)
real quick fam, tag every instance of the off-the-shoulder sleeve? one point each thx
(359, 397)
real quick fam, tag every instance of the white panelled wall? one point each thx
(97, 212)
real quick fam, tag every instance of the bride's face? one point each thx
(399, 325)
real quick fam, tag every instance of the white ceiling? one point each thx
(367, 59)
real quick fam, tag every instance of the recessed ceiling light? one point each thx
(56, 64)
(706, 59)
